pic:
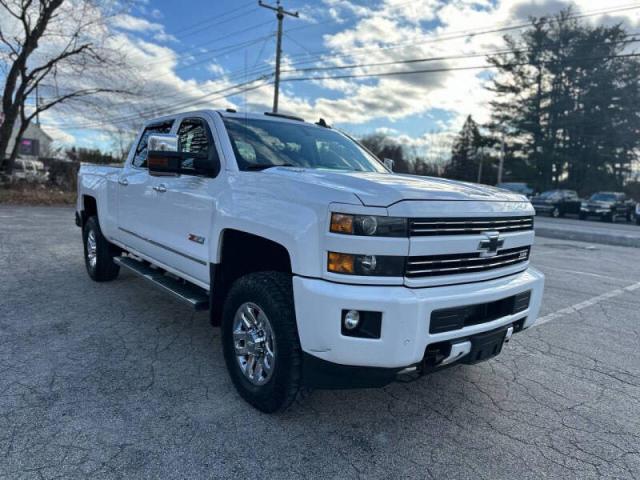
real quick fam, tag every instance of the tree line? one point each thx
(564, 115)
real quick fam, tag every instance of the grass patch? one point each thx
(36, 195)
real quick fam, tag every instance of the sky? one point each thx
(194, 53)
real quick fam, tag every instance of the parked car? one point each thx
(29, 171)
(322, 267)
(557, 203)
(607, 206)
(518, 187)
(637, 213)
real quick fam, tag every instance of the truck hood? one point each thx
(383, 189)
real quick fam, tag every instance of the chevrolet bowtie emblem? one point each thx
(491, 244)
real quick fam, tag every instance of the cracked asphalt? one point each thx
(117, 380)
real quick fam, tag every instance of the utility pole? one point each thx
(37, 105)
(501, 163)
(280, 13)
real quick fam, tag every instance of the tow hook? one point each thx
(508, 335)
(458, 350)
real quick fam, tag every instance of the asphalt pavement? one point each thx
(117, 380)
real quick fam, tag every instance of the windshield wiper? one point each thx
(258, 166)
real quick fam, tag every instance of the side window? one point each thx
(140, 157)
(193, 137)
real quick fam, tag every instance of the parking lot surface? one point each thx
(117, 380)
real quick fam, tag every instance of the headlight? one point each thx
(368, 225)
(371, 265)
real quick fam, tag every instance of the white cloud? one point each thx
(215, 68)
(128, 22)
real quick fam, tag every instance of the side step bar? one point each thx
(188, 293)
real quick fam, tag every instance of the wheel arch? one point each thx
(89, 208)
(241, 253)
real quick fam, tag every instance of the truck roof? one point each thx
(281, 117)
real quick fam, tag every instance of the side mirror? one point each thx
(388, 163)
(163, 158)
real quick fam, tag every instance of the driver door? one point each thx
(187, 204)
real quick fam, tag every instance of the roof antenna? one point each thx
(322, 123)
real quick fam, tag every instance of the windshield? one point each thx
(603, 197)
(551, 195)
(260, 144)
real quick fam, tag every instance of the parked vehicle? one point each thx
(607, 206)
(322, 267)
(518, 187)
(32, 171)
(557, 203)
(637, 213)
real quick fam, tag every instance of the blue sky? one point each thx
(194, 53)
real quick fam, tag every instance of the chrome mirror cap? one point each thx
(162, 143)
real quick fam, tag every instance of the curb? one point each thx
(620, 240)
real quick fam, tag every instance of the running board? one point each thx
(194, 296)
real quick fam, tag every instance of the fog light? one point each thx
(351, 319)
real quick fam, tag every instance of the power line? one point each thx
(463, 33)
(431, 59)
(456, 35)
(264, 77)
(438, 70)
(157, 111)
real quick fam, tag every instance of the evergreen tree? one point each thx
(465, 154)
(566, 101)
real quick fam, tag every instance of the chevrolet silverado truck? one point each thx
(323, 268)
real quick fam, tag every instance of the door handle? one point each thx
(123, 181)
(160, 188)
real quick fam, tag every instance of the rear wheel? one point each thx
(98, 253)
(260, 340)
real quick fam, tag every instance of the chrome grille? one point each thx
(433, 265)
(466, 226)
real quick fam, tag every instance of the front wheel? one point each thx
(98, 253)
(260, 340)
(555, 213)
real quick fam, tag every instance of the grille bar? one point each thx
(462, 263)
(462, 226)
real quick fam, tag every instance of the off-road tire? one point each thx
(273, 293)
(105, 269)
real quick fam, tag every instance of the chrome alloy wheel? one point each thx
(254, 343)
(92, 249)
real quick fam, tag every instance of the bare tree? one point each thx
(62, 48)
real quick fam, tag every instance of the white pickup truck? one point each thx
(323, 268)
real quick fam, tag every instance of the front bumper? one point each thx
(543, 208)
(406, 314)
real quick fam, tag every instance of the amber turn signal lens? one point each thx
(340, 263)
(341, 223)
